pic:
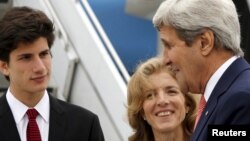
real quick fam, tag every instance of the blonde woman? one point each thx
(158, 108)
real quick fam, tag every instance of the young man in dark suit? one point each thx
(26, 37)
(201, 41)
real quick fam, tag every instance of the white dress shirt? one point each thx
(19, 112)
(216, 76)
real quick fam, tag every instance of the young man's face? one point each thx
(29, 67)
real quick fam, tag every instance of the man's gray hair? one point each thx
(191, 17)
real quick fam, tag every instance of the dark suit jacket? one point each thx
(67, 123)
(229, 103)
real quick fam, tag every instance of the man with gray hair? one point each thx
(201, 41)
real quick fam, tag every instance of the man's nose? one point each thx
(38, 64)
(166, 59)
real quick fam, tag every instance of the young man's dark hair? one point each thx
(23, 24)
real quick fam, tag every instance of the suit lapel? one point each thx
(57, 121)
(204, 118)
(225, 81)
(8, 129)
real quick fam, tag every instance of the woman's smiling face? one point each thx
(164, 104)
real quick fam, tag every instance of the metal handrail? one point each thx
(71, 53)
(109, 47)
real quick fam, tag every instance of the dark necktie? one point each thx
(33, 133)
(201, 107)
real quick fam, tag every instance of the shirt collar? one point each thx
(19, 109)
(216, 76)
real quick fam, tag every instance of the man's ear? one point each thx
(4, 68)
(207, 42)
